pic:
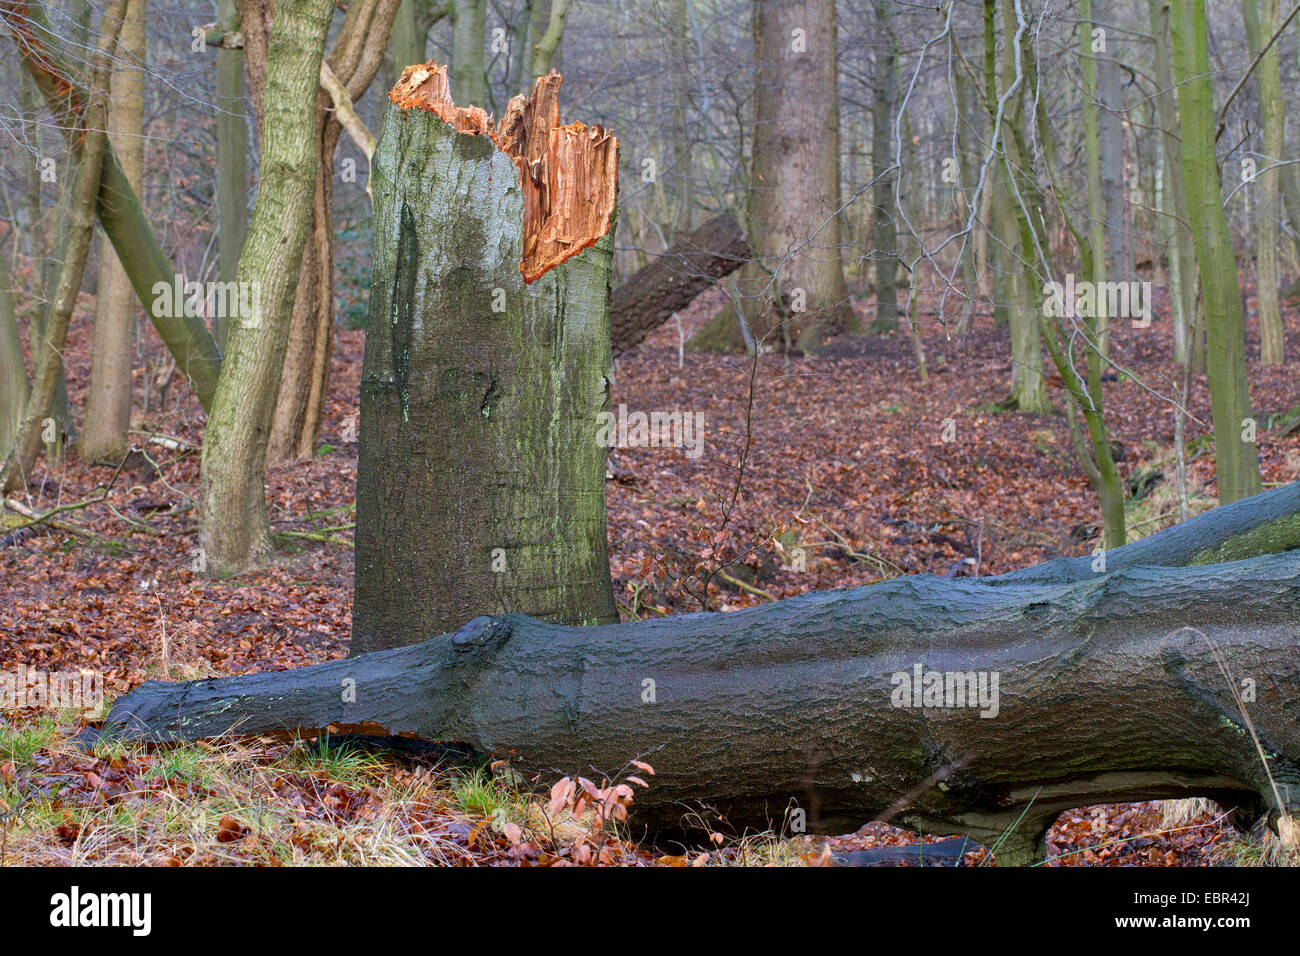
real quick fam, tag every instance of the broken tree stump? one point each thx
(480, 485)
(673, 280)
(1078, 687)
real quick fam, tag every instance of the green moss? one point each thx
(1275, 537)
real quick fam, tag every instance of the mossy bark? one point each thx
(234, 526)
(481, 484)
(1236, 459)
(232, 160)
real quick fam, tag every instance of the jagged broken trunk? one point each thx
(1080, 684)
(481, 485)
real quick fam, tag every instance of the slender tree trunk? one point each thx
(234, 531)
(14, 387)
(1119, 239)
(1028, 390)
(547, 34)
(1182, 254)
(683, 173)
(481, 481)
(884, 238)
(1098, 221)
(1236, 459)
(232, 161)
(966, 136)
(108, 401)
(1261, 18)
(468, 71)
(408, 43)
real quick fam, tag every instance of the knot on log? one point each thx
(481, 632)
(568, 174)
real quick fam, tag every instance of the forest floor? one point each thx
(845, 459)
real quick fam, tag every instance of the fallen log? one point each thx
(673, 280)
(977, 706)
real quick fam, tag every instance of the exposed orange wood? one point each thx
(569, 174)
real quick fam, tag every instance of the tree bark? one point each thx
(1109, 690)
(304, 381)
(1182, 255)
(1028, 390)
(14, 387)
(108, 401)
(548, 32)
(468, 72)
(1119, 240)
(481, 482)
(408, 43)
(232, 161)
(884, 238)
(672, 281)
(1261, 23)
(794, 186)
(234, 530)
(1236, 460)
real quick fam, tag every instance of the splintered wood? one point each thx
(569, 174)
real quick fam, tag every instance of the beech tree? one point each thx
(1236, 462)
(234, 531)
(352, 63)
(794, 191)
(232, 159)
(1261, 19)
(117, 206)
(481, 480)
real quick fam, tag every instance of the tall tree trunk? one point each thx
(794, 221)
(14, 387)
(304, 380)
(547, 25)
(108, 401)
(1114, 178)
(1236, 459)
(234, 531)
(967, 137)
(1182, 254)
(468, 70)
(481, 482)
(884, 236)
(408, 43)
(1028, 390)
(682, 172)
(232, 161)
(1261, 18)
(1097, 217)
